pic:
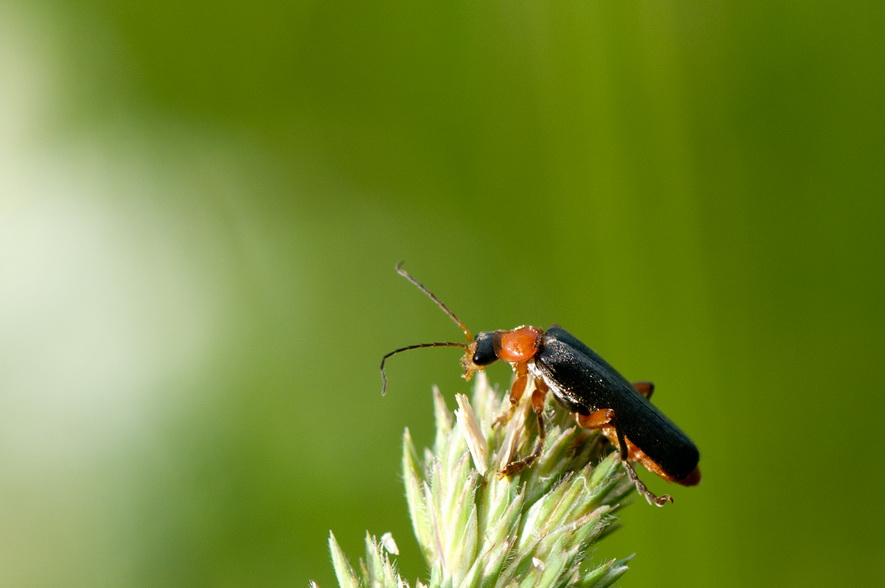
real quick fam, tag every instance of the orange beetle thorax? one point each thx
(517, 345)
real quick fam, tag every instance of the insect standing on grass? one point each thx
(600, 398)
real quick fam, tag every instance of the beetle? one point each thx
(584, 383)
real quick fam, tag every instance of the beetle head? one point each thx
(480, 353)
(517, 345)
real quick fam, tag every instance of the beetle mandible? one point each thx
(584, 383)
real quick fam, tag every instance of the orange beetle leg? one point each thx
(538, 396)
(606, 420)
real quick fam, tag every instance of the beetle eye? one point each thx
(484, 353)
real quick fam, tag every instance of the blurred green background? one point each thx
(202, 205)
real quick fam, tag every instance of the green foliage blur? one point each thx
(202, 205)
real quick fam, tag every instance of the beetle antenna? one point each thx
(420, 286)
(418, 346)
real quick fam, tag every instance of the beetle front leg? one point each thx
(516, 392)
(606, 420)
(538, 396)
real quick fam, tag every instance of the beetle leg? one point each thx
(596, 419)
(516, 392)
(606, 420)
(645, 388)
(631, 473)
(538, 396)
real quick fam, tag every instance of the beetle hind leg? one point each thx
(606, 421)
(643, 489)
